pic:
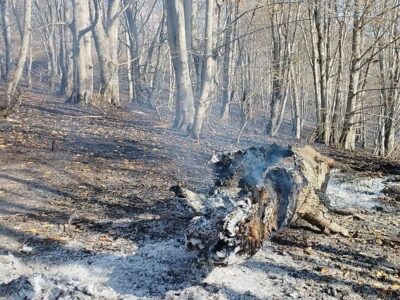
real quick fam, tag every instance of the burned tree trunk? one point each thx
(258, 192)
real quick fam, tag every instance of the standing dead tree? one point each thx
(258, 191)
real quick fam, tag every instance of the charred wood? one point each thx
(257, 192)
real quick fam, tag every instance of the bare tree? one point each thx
(132, 41)
(231, 14)
(106, 35)
(184, 112)
(348, 135)
(282, 41)
(26, 32)
(340, 73)
(6, 32)
(81, 28)
(47, 15)
(64, 12)
(207, 73)
(389, 73)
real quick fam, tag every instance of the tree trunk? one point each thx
(65, 55)
(207, 74)
(258, 191)
(131, 85)
(16, 77)
(48, 16)
(178, 47)
(276, 97)
(226, 69)
(338, 94)
(29, 66)
(389, 66)
(348, 137)
(6, 32)
(82, 52)
(315, 70)
(159, 69)
(297, 115)
(106, 41)
(134, 68)
(282, 39)
(323, 46)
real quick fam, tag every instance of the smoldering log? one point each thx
(258, 191)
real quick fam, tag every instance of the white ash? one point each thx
(346, 191)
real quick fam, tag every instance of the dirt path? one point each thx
(85, 213)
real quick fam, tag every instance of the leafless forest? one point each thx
(332, 64)
(133, 131)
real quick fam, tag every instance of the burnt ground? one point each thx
(85, 213)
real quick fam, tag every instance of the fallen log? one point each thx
(257, 192)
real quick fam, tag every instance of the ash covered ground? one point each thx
(85, 213)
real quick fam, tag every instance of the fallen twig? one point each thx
(8, 119)
(84, 117)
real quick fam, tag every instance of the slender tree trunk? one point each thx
(6, 32)
(207, 72)
(282, 40)
(226, 68)
(66, 51)
(53, 74)
(29, 66)
(16, 76)
(315, 69)
(188, 13)
(348, 136)
(159, 70)
(131, 84)
(392, 98)
(338, 94)
(323, 63)
(276, 96)
(134, 68)
(296, 106)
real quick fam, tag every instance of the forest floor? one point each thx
(85, 213)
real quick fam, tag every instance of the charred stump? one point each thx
(257, 192)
